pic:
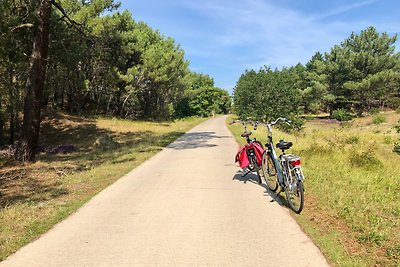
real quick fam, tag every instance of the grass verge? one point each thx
(34, 197)
(352, 208)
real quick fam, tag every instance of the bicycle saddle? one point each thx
(245, 134)
(283, 145)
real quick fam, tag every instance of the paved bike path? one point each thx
(186, 206)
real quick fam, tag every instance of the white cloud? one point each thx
(271, 34)
(345, 8)
(224, 38)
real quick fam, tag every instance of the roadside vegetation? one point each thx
(102, 93)
(358, 76)
(352, 187)
(34, 197)
(98, 60)
(350, 153)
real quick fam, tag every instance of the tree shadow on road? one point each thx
(195, 140)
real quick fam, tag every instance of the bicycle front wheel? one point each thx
(295, 196)
(268, 171)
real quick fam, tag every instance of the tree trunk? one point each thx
(11, 139)
(34, 86)
(1, 128)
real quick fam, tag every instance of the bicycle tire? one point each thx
(256, 168)
(297, 194)
(269, 171)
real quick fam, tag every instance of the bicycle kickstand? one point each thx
(245, 173)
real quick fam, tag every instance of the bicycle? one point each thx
(249, 156)
(283, 171)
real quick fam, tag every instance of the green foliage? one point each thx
(352, 140)
(296, 125)
(360, 74)
(397, 127)
(341, 115)
(365, 159)
(396, 147)
(109, 65)
(378, 119)
(368, 69)
(204, 101)
(267, 94)
(374, 111)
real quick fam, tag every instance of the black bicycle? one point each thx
(283, 171)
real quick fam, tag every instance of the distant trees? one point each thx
(267, 94)
(202, 98)
(99, 62)
(358, 75)
(363, 72)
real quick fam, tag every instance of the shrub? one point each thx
(374, 111)
(378, 119)
(396, 148)
(397, 127)
(365, 159)
(352, 140)
(341, 115)
(295, 126)
(105, 142)
(387, 140)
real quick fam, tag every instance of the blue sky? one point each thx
(224, 38)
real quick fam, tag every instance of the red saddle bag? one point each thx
(243, 159)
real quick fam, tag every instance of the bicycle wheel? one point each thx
(295, 195)
(269, 171)
(255, 167)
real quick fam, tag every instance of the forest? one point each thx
(89, 58)
(361, 74)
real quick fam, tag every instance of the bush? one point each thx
(397, 127)
(378, 119)
(295, 126)
(365, 159)
(396, 148)
(341, 115)
(352, 140)
(105, 142)
(374, 111)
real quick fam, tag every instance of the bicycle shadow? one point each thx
(253, 178)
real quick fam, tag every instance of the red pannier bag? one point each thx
(243, 158)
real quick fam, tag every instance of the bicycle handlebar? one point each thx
(288, 122)
(269, 124)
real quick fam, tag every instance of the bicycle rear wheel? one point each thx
(295, 196)
(269, 171)
(255, 167)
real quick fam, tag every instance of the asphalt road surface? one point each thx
(186, 206)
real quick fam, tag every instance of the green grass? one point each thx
(37, 196)
(352, 208)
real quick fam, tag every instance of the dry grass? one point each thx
(352, 207)
(34, 197)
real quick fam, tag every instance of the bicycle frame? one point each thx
(287, 170)
(271, 149)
